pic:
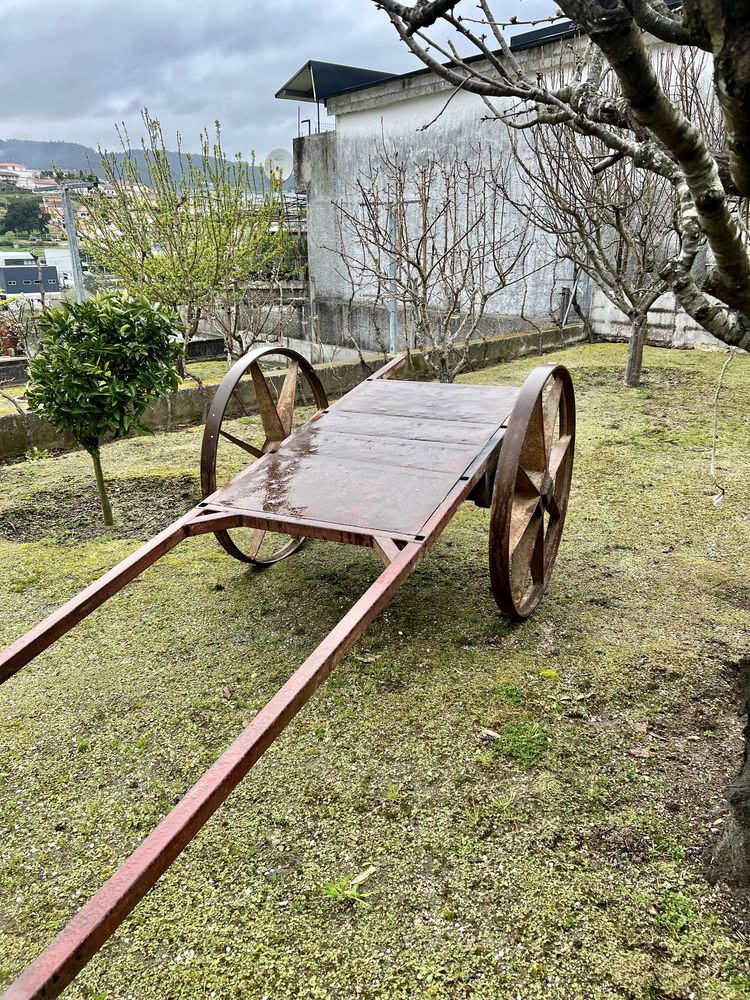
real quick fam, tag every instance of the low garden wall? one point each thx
(20, 432)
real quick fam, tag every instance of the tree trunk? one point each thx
(191, 328)
(639, 328)
(731, 858)
(103, 498)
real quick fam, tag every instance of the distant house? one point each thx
(60, 258)
(19, 275)
(18, 174)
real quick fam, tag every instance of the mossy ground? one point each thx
(564, 857)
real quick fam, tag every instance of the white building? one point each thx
(364, 108)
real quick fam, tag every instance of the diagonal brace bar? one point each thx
(39, 638)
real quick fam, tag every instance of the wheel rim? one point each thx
(532, 485)
(277, 418)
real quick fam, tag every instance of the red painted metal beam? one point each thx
(20, 652)
(39, 638)
(49, 974)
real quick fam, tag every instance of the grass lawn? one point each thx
(566, 857)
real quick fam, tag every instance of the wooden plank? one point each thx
(382, 449)
(455, 402)
(379, 498)
(394, 427)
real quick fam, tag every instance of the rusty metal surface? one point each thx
(532, 485)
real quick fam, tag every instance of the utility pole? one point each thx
(64, 189)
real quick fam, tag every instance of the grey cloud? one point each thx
(82, 66)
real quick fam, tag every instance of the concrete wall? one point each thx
(668, 325)
(21, 432)
(327, 167)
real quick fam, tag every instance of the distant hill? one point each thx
(68, 156)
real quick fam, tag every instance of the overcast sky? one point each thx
(74, 69)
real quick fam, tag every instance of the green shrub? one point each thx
(100, 364)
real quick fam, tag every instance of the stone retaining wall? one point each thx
(668, 324)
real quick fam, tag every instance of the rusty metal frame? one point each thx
(98, 919)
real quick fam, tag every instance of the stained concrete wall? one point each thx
(668, 324)
(21, 432)
(397, 111)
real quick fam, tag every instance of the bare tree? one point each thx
(642, 120)
(423, 237)
(650, 123)
(615, 226)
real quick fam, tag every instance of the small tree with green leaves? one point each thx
(101, 363)
(24, 215)
(188, 229)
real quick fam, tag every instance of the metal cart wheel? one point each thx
(530, 495)
(277, 416)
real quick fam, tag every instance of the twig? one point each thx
(423, 128)
(721, 491)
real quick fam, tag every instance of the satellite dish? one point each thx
(279, 164)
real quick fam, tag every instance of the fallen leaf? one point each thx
(363, 875)
(227, 692)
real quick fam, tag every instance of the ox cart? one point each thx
(385, 466)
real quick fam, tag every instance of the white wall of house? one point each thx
(396, 112)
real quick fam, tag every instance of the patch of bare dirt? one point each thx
(141, 506)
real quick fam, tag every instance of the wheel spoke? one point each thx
(523, 510)
(551, 407)
(268, 412)
(256, 541)
(287, 396)
(521, 558)
(242, 444)
(534, 453)
(528, 482)
(558, 455)
(553, 508)
(537, 556)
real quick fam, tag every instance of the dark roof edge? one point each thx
(556, 32)
(527, 40)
